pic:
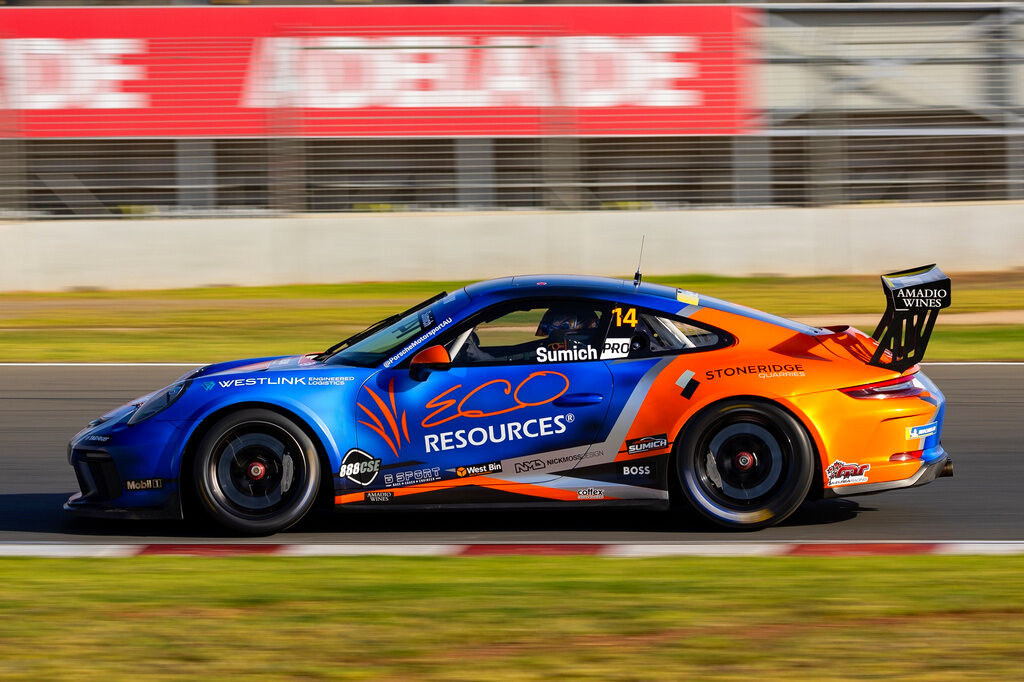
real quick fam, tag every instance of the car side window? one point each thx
(636, 333)
(534, 333)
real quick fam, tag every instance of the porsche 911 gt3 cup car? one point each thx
(555, 390)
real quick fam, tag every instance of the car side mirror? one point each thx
(430, 359)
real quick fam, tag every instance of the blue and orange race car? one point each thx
(554, 390)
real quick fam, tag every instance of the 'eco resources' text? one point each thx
(489, 435)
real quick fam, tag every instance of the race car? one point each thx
(539, 390)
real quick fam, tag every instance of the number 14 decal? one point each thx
(628, 320)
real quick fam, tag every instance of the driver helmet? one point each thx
(562, 321)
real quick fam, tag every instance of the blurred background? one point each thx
(142, 143)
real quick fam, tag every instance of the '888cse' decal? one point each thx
(359, 467)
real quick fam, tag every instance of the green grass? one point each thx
(970, 343)
(212, 324)
(924, 618)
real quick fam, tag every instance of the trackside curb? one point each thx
(724, 549)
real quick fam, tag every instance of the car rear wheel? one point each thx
(256, 471)
(745, 464)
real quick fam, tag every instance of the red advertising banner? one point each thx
(390, 71)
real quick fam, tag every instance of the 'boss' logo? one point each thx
(640, 470)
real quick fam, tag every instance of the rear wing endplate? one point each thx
(913, 299)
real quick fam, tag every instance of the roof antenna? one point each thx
(637, 277)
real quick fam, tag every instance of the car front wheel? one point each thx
(256, 471)
(745, 464)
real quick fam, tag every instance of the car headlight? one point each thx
(158, 402)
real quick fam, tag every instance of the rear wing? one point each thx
(913, 299)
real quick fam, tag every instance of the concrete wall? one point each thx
(166, 253)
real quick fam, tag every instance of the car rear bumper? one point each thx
(939, 466)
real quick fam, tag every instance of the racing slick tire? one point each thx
(256, 472)
(745, 464)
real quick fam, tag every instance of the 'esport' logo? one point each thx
(359, 467)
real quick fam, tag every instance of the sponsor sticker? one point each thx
(538, 388)
(922, 431)
(397, 357)
(377, 497)
(98, 439)
(637, 470)
(845, 473)
(144, 484)
(497, 433)
(262, 381)
(478, 469)
(565, 459)
(541, 464)
(414, 477)
(590, 494)
(278, 381)
(359, 467)
(912, 298)
(646, 444)
(530, 465)
(616, 348)
(566, 354)
(760, 371)
(328, 381)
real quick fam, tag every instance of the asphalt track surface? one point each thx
(41, 407)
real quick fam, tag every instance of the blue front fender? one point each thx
(302, 413)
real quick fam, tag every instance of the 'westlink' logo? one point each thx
(262, 381)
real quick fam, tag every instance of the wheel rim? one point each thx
(743, 463)
(257, 470)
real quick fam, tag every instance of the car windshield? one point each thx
(389, 336)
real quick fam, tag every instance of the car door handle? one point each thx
(578, 399)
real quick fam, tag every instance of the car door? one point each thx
(639, 346)
(524, 397)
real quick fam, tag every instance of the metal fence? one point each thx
(837, 105)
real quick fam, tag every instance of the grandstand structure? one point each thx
(202, 110)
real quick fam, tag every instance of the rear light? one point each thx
(900, 387)
(906, 456)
